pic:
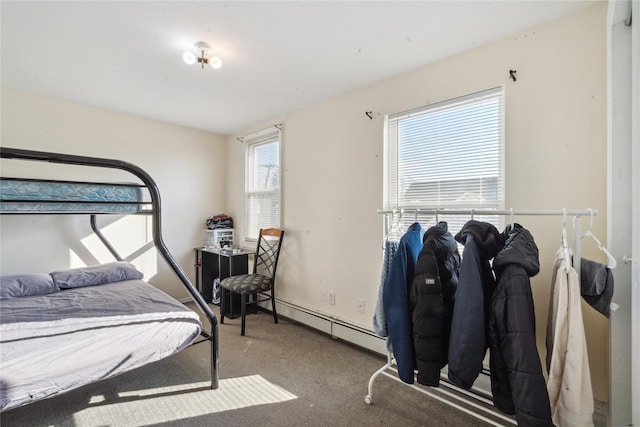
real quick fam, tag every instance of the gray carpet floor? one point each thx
(277, 375)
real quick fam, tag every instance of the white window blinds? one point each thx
(447, 155)
(262, 182)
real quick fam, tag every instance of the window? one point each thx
(262, 182)
(448, 155)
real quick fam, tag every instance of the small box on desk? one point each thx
(219, 238)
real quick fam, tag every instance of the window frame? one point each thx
(392, 162)
(269, 135)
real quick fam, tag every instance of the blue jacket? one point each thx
(396, 301)
(476, 284)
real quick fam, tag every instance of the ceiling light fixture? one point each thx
(202, 53)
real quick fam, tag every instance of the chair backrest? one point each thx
(268, 251)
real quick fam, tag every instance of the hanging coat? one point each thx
(396, 301)
(517, 383)
(434, 283)
(467, 344)
(596, 285)
(569, 383)
(379, 318)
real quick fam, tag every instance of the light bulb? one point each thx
(189, 58)
(215, 62)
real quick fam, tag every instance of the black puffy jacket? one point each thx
(432, 289)
(476, 283)
(517, 383)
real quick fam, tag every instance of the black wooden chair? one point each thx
(260, 285)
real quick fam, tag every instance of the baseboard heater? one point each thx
(332, 326)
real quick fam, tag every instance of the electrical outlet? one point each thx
(324, 295)
(361, 305)
(331, 297)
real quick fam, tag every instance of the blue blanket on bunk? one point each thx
(26, 195)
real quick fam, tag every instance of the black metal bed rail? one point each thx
(103, 238)
(152, 188)
(73, 181)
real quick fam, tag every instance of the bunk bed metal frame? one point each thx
(211, 335)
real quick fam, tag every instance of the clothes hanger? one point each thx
(611, 261)
(509, 225)
(395, 226)
(565, 246)
(389, 226)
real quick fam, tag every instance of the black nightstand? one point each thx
(222, 263)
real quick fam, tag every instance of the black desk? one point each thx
(211, 263)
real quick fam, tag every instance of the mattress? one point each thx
(28, 195)
(54, 343)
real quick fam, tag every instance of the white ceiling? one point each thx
(278, 56)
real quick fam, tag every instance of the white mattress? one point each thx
(54, 343)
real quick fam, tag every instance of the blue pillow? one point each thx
(24, 285)
(95, 275)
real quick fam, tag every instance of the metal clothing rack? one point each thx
(474, 402)
(577, 215)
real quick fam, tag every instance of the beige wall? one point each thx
(187, 165)
(555, 158)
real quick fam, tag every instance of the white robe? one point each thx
(569, 383)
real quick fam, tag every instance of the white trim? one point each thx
(621, 205)
(264, 136)
(448, 102)
(635, 143)
(262, 132)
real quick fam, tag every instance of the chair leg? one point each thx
(243, 310)
(273, 307)
(222, 290)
